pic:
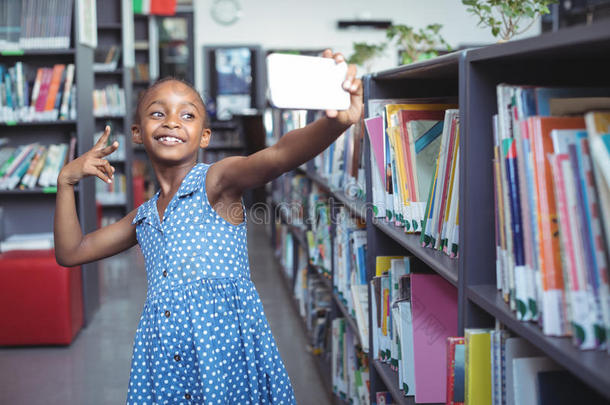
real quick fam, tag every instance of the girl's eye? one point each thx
(188, 116)
(156, 114)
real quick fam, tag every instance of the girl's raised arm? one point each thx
(71, 246)
(231, 176)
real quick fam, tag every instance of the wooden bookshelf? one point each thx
(110, 22)
(575, 56)
(32, 210)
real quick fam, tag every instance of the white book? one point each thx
(407, 382)
(525, 378)
(516, 347)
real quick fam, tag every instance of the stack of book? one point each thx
(341, 163)
(27, 241)
(350, 270)
(415, 168)
(489, 366)
(106, 59)
(32, 165)
(35, 24)
(109, 101)
(314, 301)
(318, 238)
(412, 315)
(51, 96)
(349, 365)
(552, 191)
(114, 193)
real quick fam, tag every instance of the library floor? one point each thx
(95, 368)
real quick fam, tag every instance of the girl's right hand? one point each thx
(91, 163)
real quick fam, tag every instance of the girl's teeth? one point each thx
(170, 139)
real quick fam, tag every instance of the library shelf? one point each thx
(435, 259)
(357, 207)
(439, 67)
(390, 379)
(109, 117)
(37, 123)
(20, 53)
(118, 71)
(30, 191)
(316, 178)
(110, 26)
(138, 82)
(592, 366)
(351, 322)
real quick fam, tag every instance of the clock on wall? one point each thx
(226, 12)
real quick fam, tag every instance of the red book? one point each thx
(451, 343)
(44, 89)
(162, 7)
(58, 71)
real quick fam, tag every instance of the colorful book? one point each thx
(478, 366)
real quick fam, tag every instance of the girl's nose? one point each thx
(171, 121)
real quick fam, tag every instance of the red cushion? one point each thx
(40, 301)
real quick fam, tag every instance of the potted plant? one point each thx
(417, 44)
(506, 17)
(364, 54)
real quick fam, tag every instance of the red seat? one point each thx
(41, 302)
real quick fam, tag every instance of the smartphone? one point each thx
(306, 82)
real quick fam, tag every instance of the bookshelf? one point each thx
(110, 23)
(32, 210)
(573, 56)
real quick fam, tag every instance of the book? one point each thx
(516, 347)
(525, 371)
(434, 307)
(28, 241)
(560, 387)
(554, 321)
(478, 366)
(455, 370)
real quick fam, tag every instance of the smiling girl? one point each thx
(203, 336)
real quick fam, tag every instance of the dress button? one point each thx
(177, 357)
(164, 273)
(187, 396)
(167, 314)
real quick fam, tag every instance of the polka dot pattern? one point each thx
(203, 337)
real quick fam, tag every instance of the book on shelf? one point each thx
(455, 370)
(109, 101)
(27, 241)
(415, 168)
(551, 210)
(106, 59)
(501, 369)
(349, 280)
(31, 165)
(341, 164)
(36, 24)
(349, 365)
(141, 72)
(48, 96)
(114, 193)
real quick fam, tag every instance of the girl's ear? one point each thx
(136, 135)
(205, 138)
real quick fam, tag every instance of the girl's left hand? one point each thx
(351, 85)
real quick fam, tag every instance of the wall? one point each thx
(312, 24)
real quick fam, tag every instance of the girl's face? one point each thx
(171, 123)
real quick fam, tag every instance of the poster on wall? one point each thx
(87, 22)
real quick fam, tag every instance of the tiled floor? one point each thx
(95, 368)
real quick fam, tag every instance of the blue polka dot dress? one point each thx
(203, 337)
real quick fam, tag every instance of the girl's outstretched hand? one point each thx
(91, 163)
(351, 85)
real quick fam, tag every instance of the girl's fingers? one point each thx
(104, 138)
(351, 78)
(102, 176)
(339, 58)
(332, 113)
(108, 149)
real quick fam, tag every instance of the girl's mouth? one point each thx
(169, 140)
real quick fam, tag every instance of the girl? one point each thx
(202, 337)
